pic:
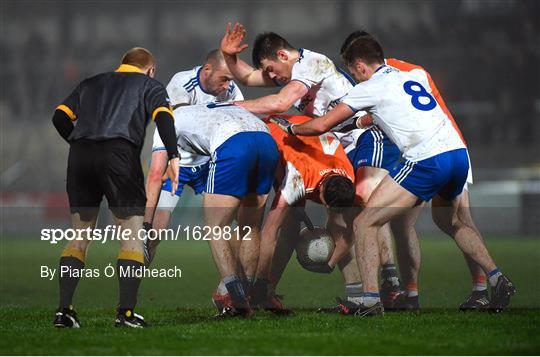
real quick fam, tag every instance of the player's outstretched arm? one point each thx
(231, 47)
(158, 166)
(276, 103)
(323, 124)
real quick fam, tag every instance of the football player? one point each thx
(407, 246)
(242, 165)
(314, 85)
(435, 166)
(315, 169)
(209, 83)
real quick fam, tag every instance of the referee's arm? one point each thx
(63, 123)
(66, 114)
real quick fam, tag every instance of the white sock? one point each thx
(494, 276)
(353, 290)
(355, 299)
(479, 287)
(370, 299)
(221, 288)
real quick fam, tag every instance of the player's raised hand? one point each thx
(231, 44)
(283, 123)
(172, 173)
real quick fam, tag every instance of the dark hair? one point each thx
(361, 45)
(266, 46)
(338, 192)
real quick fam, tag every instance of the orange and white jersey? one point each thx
(403, 105)
(408, 67)
(308, 161)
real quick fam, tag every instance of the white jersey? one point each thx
(327, 85)
(185, 89)
(201, 129)
(401, 104)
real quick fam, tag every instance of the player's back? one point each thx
(407, 112)
(114, 105)
(314, 157)
(201, 129)
(434, 91)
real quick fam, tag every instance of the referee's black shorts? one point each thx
(111, 168)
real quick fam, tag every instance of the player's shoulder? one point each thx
(232, 93)
(310, 59)
(154, 83)
(312, 65)
(306, 54)
(404, 66)
(186, 79)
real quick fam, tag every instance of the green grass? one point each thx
(179, 309)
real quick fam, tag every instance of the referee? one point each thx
(110, 112)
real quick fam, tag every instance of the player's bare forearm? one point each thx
(338, 231)
(246, 74)
(153, 183)
(269, 238)
(271, 104)
(324, 123)
(231, 47)
(275, 103)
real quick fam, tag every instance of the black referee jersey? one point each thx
(115, 105)
(111, 112)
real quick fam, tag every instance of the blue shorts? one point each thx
(195, 177)
(444, 175)
(374, 149)
(243, 164)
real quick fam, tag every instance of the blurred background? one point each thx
(483, 55)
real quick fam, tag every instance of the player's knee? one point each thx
(446, 222)
(364, 221)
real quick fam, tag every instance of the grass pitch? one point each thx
(179, 309)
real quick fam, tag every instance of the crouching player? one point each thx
(211, 82)
(310, 168)
(436, 165)
(242, 165)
